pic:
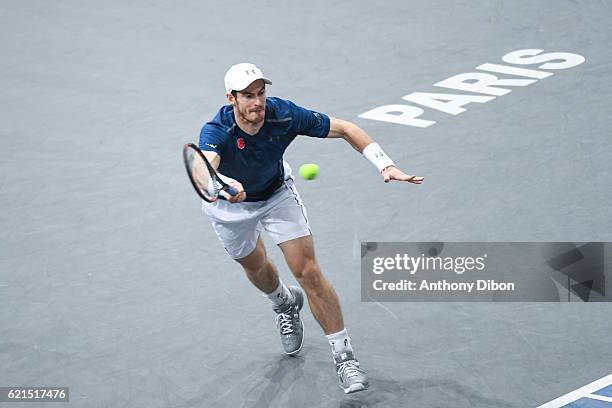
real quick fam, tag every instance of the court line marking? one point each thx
(599, 397)
(585, 391)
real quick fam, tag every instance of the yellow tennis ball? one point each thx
(309, 171)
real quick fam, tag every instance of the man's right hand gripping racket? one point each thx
(203, 176)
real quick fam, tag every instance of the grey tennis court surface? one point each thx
(113, 283)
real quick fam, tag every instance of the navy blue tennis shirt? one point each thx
(257, 161)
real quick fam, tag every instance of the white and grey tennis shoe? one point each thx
(289, 322)
(352, 378)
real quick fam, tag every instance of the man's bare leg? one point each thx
(259, 269)
(325, 306)
(287, 301)
(322, 297)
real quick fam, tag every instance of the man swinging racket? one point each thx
(245, 143)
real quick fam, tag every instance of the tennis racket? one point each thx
(203, 176)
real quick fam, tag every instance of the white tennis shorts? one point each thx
(238, 225)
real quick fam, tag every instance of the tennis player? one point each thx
(245, 142)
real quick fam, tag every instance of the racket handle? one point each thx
(231, 191)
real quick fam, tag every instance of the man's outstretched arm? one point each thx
(363, 143)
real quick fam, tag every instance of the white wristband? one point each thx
(375, 155)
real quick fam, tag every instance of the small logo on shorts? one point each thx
(240, 143)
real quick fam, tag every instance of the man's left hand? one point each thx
(393, 173)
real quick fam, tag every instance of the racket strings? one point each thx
(203, 177)
(203, 180)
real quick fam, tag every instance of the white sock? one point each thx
(340, 342)
(280, 295)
